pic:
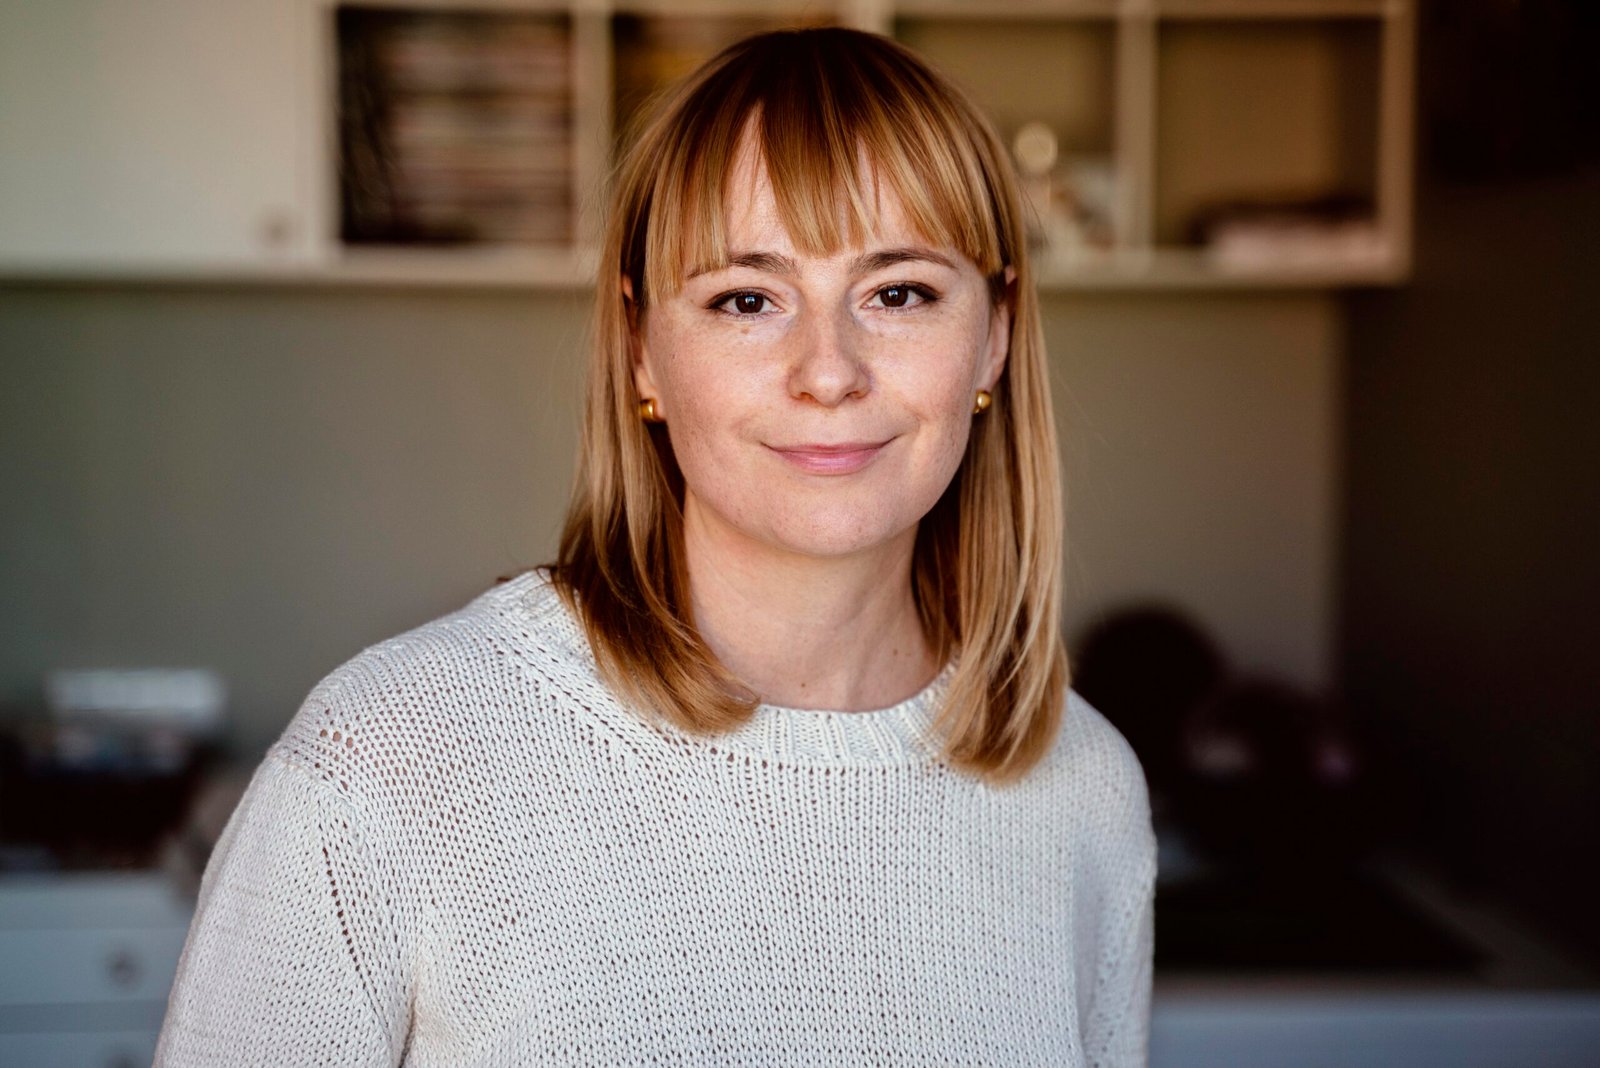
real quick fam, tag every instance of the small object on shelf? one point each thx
(1090, 182)
(1309, 234)
(1299, 244)
(1035, 150)
(1067, 201)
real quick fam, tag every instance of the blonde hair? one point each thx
(821, 105)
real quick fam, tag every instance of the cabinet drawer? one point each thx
(77, 966)
(107, 1049)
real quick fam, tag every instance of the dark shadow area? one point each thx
(1461, 736)
(1469, 578)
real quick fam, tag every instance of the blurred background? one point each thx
(292, 313)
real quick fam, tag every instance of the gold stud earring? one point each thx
(984, 399)
(647, 410)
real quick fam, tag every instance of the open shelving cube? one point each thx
(1058, 118)
(1267, 143)
(455, 127)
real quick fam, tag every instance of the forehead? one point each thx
(752, 217)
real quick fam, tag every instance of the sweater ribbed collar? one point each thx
(899, 734)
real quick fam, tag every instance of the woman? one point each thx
(597, 815)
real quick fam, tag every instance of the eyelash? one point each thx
(923, 293)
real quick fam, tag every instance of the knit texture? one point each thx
(464, 851)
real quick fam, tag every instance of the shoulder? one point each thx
(450, 683)
(1093, 770)
(1094, 749)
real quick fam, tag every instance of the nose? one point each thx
(828, 365)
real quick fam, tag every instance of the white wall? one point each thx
(265, 480)
(1201, 438)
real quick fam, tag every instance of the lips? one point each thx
(831, 459)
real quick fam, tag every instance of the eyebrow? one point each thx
(775, 263)
(873, 261)
(770, 262)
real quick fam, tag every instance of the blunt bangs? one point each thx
(831, 121)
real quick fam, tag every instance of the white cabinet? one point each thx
(144, 133)
(196, 140)
(107, 1049)
(87, 960)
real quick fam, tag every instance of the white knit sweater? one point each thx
(463, 851)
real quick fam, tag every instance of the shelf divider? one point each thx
(1397, 128)
(1134, 111)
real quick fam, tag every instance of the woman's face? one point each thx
(819, 405)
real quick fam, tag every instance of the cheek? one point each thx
(937, 384)
(688, 430)
(943, 404)
(681, 379)
(706, 403)
(953, 438)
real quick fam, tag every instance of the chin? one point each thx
(833, 532)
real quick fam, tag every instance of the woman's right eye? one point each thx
(742, 303)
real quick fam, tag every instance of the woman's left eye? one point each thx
(902, 295)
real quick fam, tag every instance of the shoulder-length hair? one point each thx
(822, 106)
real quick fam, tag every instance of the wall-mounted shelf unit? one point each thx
(1165, 143)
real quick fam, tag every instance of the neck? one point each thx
(805, 631)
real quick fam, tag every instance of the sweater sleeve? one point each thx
(1118, 1035)
(291, 958)
(1122, 993)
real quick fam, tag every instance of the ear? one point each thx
(638, 346)
(999, 343)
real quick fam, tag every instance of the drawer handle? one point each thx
(123, 968)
